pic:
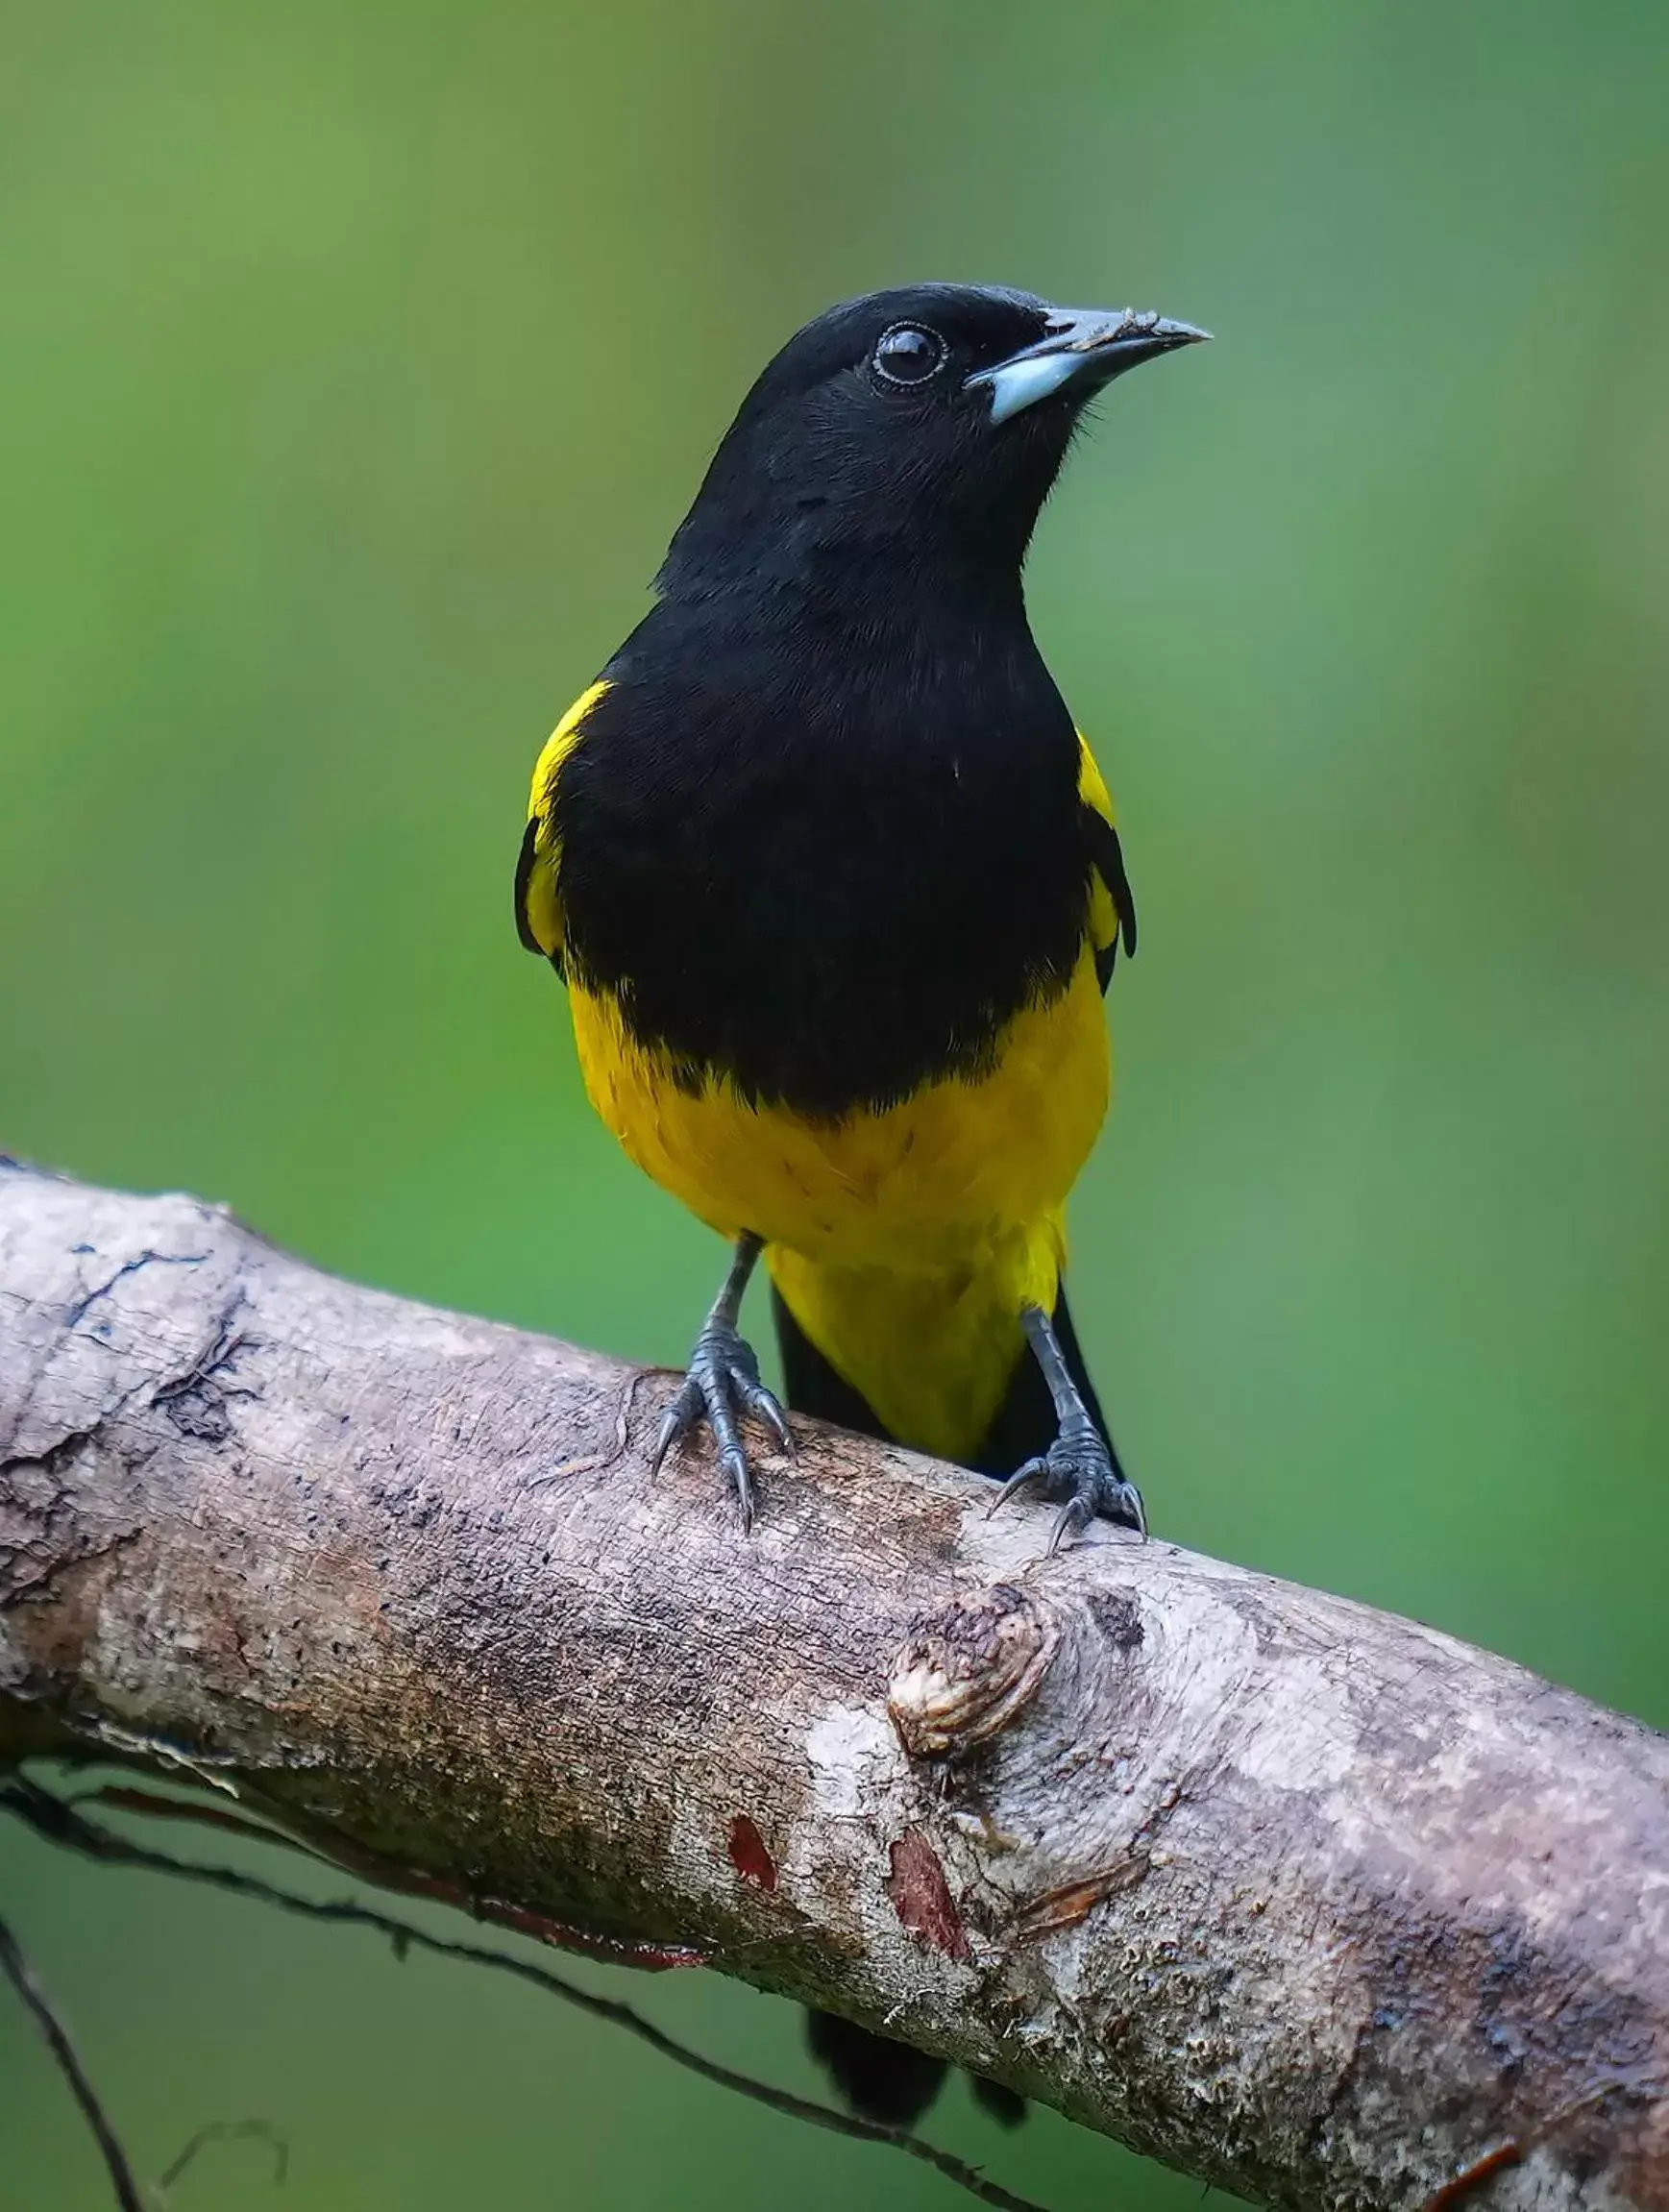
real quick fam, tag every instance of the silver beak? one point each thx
(1083, 348)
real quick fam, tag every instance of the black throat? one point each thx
(821, 834)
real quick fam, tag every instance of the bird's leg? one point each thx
(722, 1383)
(1080, 1468)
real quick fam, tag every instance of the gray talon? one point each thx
(1033, 1471)
(1078, 1471)
(1068, 1522)
(764, 1408)
(722, 1387)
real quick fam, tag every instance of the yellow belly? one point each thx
(904, 1241)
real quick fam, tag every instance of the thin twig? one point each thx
(17, 1969)
(346, 1857)
(229, 2131)
(61, 1823)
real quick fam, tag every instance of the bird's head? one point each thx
(913, 429)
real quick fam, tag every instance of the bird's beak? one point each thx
(1083, 348)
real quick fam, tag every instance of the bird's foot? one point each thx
(1080, 1470)
(720, 1386)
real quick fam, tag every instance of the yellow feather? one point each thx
(904, 1241)
(1092, 791)
(541, 907)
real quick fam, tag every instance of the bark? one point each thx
(1313, 1903)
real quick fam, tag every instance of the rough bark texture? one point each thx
(1316, 1904)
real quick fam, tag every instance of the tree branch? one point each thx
(1313, 1903)
(16, 1968)
(61, 1822)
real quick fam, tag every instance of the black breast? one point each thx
(829, 867)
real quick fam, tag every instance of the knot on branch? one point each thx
(966, 1673)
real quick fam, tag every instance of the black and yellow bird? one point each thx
(836, 889)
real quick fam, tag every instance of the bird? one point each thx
(836, 888)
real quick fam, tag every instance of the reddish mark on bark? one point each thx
(156, 1807)
(749, 1854)
(1059, 1909)
(1472, 2176)
(1516, 2148)
(921, 1896)
(587, 1942)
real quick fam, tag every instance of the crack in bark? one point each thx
(42, 1536)
(195, 1401)
(79, 1311)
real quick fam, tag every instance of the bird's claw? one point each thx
(1079, 1469)
(721, 1388)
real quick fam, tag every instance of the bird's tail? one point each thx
(884, 2080)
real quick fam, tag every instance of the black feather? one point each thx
(525, 876)
(886, 2082)
(1107, 857)
(832, 877)
(822, 833)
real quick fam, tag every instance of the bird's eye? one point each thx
(908, 355)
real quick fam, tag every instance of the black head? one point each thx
(914, 429)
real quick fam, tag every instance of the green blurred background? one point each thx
(358, 361)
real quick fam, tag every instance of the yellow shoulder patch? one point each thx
(538, 909)
(1092, 793)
